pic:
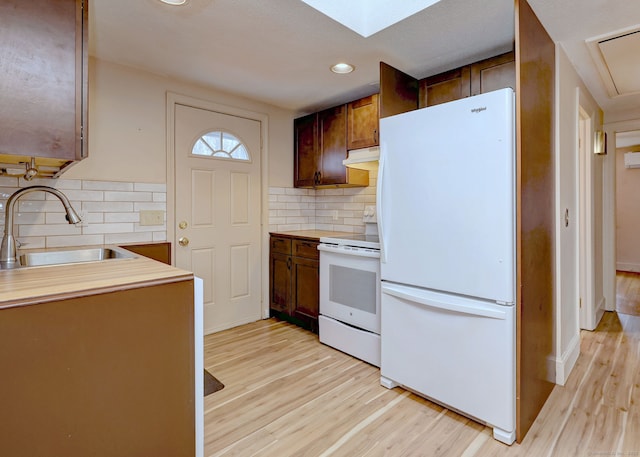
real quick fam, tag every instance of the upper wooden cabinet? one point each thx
(362, 123)
(320, 141)
(478, 78)
(398, 91)
(43, 80)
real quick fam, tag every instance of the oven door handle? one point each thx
(342, 250)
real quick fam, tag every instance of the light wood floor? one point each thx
(288, 395)
(628, 293)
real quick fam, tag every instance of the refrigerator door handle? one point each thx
(381, 220)
(423, 299)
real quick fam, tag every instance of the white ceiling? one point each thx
(280, 51)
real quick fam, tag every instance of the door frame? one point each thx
(174, 99)
(585, 214)
(609, 208)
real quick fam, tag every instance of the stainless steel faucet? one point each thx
(8, 249)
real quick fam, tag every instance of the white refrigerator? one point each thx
(446, 217)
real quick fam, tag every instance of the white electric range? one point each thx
(350, 294)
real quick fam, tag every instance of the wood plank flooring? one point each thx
(288, 395)
(628, 292)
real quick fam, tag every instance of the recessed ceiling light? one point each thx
(174, 2)
(342, 68)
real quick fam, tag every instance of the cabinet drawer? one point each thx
(281, 245)
(305, 248)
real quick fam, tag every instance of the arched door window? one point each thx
(221, 145)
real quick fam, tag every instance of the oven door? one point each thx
(350, 286)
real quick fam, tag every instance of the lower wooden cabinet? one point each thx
(294, 280)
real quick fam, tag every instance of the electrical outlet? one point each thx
(148, 217)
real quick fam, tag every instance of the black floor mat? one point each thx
(211, 384)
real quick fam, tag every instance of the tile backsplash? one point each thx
(110, 212)
(322, 209)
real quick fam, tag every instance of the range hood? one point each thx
(363, 159)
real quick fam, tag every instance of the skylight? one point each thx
(366, 17)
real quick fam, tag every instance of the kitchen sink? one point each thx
(36, 259)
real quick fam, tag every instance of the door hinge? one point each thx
(580, 302)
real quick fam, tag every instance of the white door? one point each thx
(217, 211)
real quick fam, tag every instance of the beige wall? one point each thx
(627, 213)
(127, 126)
(570, 92)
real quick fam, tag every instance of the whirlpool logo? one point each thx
(479, 110)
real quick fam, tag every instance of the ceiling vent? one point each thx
(618, 60)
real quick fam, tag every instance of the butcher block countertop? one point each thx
(314, 235)
(28, 286)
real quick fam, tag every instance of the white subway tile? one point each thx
(118, 238)
(288, 227)
(30, 218)
(125, 227)
(31, 242)
(74, 240)
(121, 217)
(277, 205)
(48, 230)
(114, 196)
(149, 187)
(150, 206)
(81, 195)
(87, 218)
(107, 185)
(273, 198)
(8, 181)
(149, 228)
(159, 197)
(277, 220)
(354, 206)
(296, 220)
(107, 207)
(276, 191)
(288, 198)
(159, 236)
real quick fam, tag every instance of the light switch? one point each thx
(148, 217)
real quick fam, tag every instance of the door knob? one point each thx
(182, 225)
(183, 241)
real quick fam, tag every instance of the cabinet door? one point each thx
(445, 87)
(332, 135)
(280, 282)
(493, 74)
(362, 123)
(43, 84)
(305, 285)
(306, 156)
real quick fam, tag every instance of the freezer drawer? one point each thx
(456, 351)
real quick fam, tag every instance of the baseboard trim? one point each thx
(632, 267)
(565, 364)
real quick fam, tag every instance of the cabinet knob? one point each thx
(183, 241)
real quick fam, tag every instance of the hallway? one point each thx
(628, 293)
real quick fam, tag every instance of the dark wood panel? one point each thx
(398, 91)
(332, 136)
(445, 87)
(280, 282)
(492, 74)
(305, 154)
(535, 60)
(304, 248)
(281, 245)
(156, 251)
(102, 375)
(362, 122)
(43, 77)
(305, 287)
